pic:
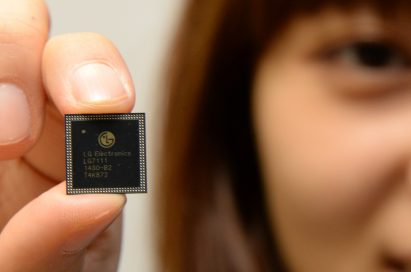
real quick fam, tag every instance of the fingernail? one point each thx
(14, 114)
(97, 83)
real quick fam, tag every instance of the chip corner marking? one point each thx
(69, 117)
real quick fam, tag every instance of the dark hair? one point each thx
(212, 208)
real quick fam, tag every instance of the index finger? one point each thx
(24, 27)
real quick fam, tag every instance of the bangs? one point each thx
(382, 6)
(266, 18)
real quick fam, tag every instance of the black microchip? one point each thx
(105, 153)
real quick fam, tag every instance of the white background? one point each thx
(142, 30)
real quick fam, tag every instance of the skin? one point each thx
(333, 137)
(43, 229)
(334, 142)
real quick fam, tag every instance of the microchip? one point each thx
(105, 153)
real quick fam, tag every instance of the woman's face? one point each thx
(332, 113)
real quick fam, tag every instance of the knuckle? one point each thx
(20, 51)
(26, 18)
(17, 30)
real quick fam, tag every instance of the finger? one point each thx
(83, 73)
(23, 32)
(53, 231)
(104, 254)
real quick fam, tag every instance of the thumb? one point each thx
(52, 232)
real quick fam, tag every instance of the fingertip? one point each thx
(84, 216)
(24, 31)
(85, 73)
(89, 206)
(54, 229)
(21, 119)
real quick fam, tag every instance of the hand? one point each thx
(43, 229)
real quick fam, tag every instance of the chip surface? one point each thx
(105, 153)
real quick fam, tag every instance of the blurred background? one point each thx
(142, 31)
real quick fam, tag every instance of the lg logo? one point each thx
(106, 139)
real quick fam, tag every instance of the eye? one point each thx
(373, 55)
